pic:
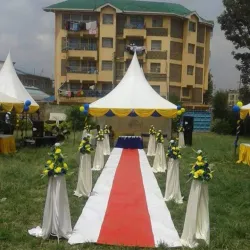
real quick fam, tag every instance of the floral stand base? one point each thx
(151, 145)
(99, 157)
(56, 217)
(196, 224)
(173, 191)
(160, 163)
(106, 150)
(84, 184)
(181, 143)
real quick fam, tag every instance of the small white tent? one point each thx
(133, 94)
(13, 87)
(244, 111)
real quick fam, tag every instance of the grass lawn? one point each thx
(25, 191)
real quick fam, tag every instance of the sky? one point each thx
(28, 32)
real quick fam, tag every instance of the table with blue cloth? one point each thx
(129, 142)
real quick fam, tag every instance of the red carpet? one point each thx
(126, 221)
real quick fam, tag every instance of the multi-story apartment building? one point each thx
(92, 50)
(233, 97)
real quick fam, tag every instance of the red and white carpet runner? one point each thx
(126, 207)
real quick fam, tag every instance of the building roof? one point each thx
(37, 94)
(127, 6)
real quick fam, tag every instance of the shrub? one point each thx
(221, 126)
(78, 119)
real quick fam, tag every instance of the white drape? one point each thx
(151, 145)
(196, 224)
(160, 164)
(106, 150)
(173, 191)
(84, 184)
(56, 217)
(84, 133)
(181, 143)
(99, 157)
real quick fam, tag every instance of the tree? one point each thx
(220, 105)
(207, 98)
(235, 22)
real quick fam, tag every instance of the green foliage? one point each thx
(208, 96)
(175, 99)
(78, 119)
(221, 126)
(245, 94)
(235, 22)
(220, 105)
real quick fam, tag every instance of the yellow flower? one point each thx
(49, 162)
(58, 151)
(51, 166)
(199, 158)
(173, 148)
(65, 165)
(200, 163)
(174, 153)
(45, 172)
(200, 172)
(58, 170)
(179, 156)
(196, 175)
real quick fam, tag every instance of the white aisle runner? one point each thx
(90, 223)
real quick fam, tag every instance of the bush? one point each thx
(78, 119)
(221, 126)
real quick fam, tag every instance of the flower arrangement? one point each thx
(85, 146)
(159, 137)
(181, 129)
(106, 130)
(87, 128)
(56, 165)
(152, 130)
(201, 170)
(100, 135)
(173, 150)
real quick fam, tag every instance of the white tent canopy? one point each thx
(12, 86)
(133, 93)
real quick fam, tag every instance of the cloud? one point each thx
(28, 32)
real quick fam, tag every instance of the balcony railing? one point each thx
(135, 26)
(81, 69)
(80, 46)
(71, 93)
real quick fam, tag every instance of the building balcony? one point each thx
(128, 56)
(135, 30)
(157, 32)
(157, 55)
(156, 77)
(86, 96)
(78, 73)
(81, 51)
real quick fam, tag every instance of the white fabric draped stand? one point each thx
(99, 157)
(160, 163)
(181, 143)
(56, 217)
(84, 184)
(84, 133)
(151, 145)
(106, 150)
(173, 191)
(196, 224)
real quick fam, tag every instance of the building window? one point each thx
(192, 26)
(155, 67)
(198, 75)
(199, 55)
(137, 22)
(190, 70)
(175, 72)
(185, 92)
(156, 45)
(176, 28)
(107, 42)
(107, 19)
(156, 88)
(107, 65)
(157, 22)
(191, 48)
(176, 49)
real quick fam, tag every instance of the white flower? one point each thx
(57, 145)
(172, 141)
(199, 152)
